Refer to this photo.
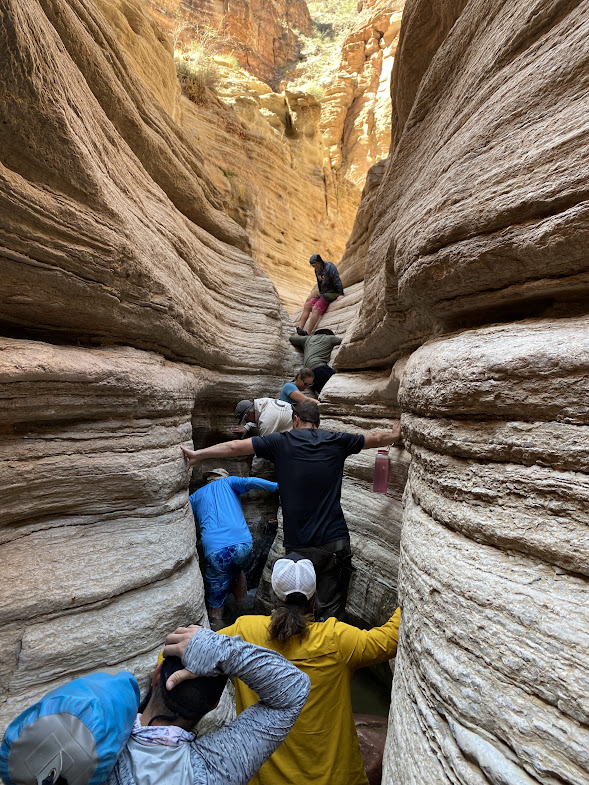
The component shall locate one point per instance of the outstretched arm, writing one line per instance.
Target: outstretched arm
(231, 449)
(297, 396)
(369, 647)
(383, 438)
(232, 755)
(298, 340)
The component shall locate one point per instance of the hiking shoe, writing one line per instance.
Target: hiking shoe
(301, 332)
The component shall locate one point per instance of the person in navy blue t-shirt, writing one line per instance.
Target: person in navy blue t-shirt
(226, 539)
(309, 465)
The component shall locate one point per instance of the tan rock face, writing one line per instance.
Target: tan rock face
(107, 229)
(475, 210)
(112, 233)
(492, 666)
(95, 516)
(476, 220)
(356, 111)
(266, 154)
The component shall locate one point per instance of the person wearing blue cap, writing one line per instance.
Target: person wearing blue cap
(330, 289)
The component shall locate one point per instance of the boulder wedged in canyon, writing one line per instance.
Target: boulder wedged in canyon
(492, 664)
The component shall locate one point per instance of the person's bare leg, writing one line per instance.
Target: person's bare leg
(305, 315)
(239, 588)
(313, 319)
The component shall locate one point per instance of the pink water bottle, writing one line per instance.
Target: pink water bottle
(382, 467)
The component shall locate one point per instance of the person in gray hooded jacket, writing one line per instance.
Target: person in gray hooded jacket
(162, 748)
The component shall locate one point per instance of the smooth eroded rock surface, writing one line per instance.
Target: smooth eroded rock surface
(97, 536)
(482, 210)
(492, 667)
(112, 233)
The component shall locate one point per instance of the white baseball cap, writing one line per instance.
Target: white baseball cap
(291, 576)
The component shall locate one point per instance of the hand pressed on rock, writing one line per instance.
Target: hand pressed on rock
(190, 457)
(396, 431)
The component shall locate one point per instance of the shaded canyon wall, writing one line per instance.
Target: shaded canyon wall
(466, 271)
(116, 332)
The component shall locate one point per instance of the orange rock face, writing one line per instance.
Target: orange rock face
(356, 111)
(261, 34)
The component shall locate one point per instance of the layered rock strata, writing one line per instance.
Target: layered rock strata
(492, 666)
(467, 242)
(266, 156)
(97, 537)
(118, 330)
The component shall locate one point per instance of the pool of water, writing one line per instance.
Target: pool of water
(370, 695)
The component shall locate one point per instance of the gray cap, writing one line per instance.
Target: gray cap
(215, 474)
(242, 409)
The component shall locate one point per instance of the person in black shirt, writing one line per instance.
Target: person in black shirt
(330, 290)
(309, 466)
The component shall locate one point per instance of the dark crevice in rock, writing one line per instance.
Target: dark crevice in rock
(516, 311)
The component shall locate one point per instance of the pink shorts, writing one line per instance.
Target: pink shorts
(320, 303)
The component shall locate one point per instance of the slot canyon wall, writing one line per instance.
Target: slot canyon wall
(467, 275)
(289, 169)
(116, 332)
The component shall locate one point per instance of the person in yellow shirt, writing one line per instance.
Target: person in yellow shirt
(322, 747)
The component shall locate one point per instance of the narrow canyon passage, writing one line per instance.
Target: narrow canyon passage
(152, 252)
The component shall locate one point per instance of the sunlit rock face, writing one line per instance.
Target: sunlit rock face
(356, 110)
(266, 156)
(262, 35)
(118, 329)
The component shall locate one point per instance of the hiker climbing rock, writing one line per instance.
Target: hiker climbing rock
(226, 539)
(317, 350)
(330, 289)
(329, 653)
(292, 392)
(309, 466)
(268, 415)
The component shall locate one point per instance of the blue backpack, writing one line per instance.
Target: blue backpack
(75, 732)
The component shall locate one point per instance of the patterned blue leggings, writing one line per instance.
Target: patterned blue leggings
(221, 567)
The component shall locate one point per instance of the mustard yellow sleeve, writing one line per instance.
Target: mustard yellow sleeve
(368, 647)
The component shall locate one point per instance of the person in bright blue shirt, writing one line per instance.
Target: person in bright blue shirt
(292, 392)
(226, 539)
